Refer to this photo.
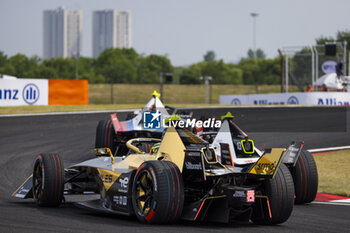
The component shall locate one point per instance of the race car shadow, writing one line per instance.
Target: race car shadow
(69, 215)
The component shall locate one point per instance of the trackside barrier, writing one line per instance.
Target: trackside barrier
(68, 92)
(312, 98)
(18, 92)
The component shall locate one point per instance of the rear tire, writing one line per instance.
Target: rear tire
(158, 193)
(105, 135)
(280, 191)
(305, 178)
(48, 180)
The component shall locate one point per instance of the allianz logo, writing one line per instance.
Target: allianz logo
(8, 94)
(332, 101)
(30, 94)
(266, 102)
(291, 100)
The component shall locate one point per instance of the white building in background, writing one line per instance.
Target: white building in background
(111, 29)
(62, 32)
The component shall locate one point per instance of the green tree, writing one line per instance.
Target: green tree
(8, 69)
(251, 53)
(110, 56)
(270, 70)
(3, 59)
(260, 54)
(191, 74)
(122, 71)
(251, 71)
(220, 72)
(151, 66)
(344, 36)
(22, 64)
(94, 78)
(63, 67)
(209, 56)
(43, 72)
(117, 65)
(323, 40)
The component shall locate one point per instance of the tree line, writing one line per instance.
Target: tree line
(121, 65)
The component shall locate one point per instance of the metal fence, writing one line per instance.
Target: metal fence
(303, 64)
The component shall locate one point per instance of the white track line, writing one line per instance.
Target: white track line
(66, 113)
(331, 203)
(341, 201)
(185, 108)
(329, 149)
(259, 106)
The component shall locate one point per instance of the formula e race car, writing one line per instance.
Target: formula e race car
(234, 148)
(180, 177)
(114, 133)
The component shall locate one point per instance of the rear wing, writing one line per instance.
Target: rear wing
(272, 158)
(293, 152)
(268, 163)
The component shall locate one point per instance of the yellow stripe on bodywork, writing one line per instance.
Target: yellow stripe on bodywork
(108, 177)
(15, 192)
(268, 163)
(172, 148)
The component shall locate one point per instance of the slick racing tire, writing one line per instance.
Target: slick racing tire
(305, 178)
(280, 193)
(48, 180)
(158, 192)
(105, 135)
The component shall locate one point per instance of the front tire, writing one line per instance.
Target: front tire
(305, 178)
(158, 193)
(105, 135)
(280, 193)
(48, 180)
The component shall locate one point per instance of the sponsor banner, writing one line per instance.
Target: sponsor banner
(310, 98)
(68, 92)
(14, 92)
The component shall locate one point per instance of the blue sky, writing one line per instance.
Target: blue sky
(185, 29)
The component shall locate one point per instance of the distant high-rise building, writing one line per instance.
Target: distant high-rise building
(111, 29)
(62, 31)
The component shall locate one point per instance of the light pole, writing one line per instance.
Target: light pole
(207, 80)
(168, 78)
(77, 65)
(254, 15)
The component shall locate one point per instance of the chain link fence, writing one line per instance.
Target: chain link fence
(303, 65)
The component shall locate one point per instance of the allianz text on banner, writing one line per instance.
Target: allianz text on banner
(16, 92)
(313, 98)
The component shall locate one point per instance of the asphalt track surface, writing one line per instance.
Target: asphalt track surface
(72, 136)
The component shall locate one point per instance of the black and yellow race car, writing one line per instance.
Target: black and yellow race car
(114, 134)
(228, 141)
(164, 180)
